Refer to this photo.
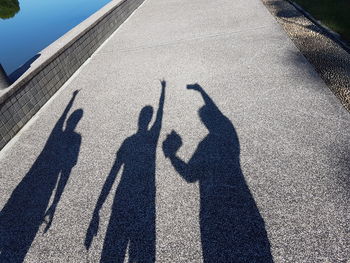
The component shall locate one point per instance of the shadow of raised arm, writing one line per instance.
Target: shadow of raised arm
(157, 125)
(60, 122)
(208, 101)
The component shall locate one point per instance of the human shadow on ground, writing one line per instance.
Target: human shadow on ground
(132, 221)
(27, 207)
(232, 229)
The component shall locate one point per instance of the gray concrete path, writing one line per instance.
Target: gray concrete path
(262, 173)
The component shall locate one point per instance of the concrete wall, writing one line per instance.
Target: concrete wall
(4, 82)
(20, 101)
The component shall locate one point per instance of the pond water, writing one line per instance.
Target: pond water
(28, 26)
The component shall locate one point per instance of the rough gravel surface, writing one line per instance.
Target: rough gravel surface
(250, 166)
(330, 60)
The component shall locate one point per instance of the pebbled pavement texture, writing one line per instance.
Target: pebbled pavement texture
(330, 60)
(250, 165)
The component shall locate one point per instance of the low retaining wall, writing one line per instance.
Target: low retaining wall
(56, 64)
(4, 82)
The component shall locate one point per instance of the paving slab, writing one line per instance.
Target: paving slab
(262, 174)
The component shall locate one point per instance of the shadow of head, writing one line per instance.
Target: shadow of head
(210, 118)
(73, 120)
(145, 118)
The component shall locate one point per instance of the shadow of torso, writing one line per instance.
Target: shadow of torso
(132, 221)
(232, 229)
(24, 212)
(137, 184)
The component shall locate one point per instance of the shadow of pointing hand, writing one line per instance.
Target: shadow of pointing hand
(75, 93)
(171, 144)
(92, 230)
(163, 83)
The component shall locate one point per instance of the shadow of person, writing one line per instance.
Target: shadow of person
(232, 229)
(132, 221)
(27, 207)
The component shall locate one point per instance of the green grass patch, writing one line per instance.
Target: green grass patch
(335, 14)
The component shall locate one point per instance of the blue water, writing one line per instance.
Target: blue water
(37, 25)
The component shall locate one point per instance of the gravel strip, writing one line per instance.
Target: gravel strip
(330, 60)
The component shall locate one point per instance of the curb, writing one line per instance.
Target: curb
(330, 33)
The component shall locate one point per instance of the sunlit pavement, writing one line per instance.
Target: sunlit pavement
(259, 174)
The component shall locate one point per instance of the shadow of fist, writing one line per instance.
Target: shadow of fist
(171, 144)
